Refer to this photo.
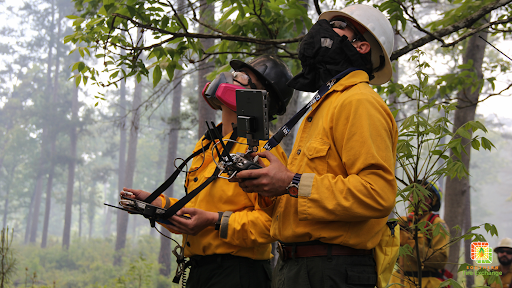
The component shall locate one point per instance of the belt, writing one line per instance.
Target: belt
(424, 274)
(316, 248)
(200, 260)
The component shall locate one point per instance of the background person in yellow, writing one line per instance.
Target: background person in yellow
(228, 234)
(433, 249)
(504, 253)
(339, 186)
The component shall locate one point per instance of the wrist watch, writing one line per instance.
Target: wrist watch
(217, 224)
(293, 187)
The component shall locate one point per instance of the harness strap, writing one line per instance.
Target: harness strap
(174, 175)
(183, 201)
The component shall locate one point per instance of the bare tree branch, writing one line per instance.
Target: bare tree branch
(476, 30)
(207, 36)
(467, 22)
(317, 7)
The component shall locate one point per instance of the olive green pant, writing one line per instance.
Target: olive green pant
(228, 271)
(325, 272)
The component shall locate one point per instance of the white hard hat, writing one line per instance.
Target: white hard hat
(377, 30)
(504, 243)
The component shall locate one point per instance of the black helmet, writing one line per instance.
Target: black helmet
(273, 74)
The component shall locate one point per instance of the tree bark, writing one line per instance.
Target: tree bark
(470, 280)
(459, 190)
(44, 143)
(122, 145)
(80, 213)
(66, 236)
(122, 216)
(53, 143)
(48, 202)
(205, 112)
(164, 257)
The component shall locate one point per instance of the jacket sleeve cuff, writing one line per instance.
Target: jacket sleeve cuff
(306, 184)
(224, 225)
(166, 202)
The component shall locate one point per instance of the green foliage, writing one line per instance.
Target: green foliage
(7, 258)
(423, 151)
(108, 26)
(88, 263)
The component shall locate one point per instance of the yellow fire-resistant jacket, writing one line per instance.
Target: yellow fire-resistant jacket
(345, 150)
(433, 253)
(506, 279)
(247, 232)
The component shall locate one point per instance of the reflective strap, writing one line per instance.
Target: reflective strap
(224, 223)
(167, 202)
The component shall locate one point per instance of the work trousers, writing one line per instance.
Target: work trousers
(228, 271)
(356, 271)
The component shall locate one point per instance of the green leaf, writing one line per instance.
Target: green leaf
(486, 144)
(464, 266)
(114, 75)
(157, 75)
(102, 11)
(463, 131)
(77, 80)
(475, 144)
(81, 66)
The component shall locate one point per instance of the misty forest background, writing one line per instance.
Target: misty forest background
(66, 150)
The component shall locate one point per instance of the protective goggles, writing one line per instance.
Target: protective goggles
(222, 90)
(503, 250)
(342, 23)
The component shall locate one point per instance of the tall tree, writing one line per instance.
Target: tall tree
(53, 133)
(458, 190)
(66, 236)
(164, 257)
(47, 136)
(204, 111)
(122, 216)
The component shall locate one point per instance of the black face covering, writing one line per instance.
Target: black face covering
(324, 54)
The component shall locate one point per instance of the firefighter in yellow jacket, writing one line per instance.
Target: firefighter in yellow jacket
(433, 250)
(227, 236)
(504, 253)
(335, 194)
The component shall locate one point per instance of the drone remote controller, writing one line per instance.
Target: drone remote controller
(240, 162)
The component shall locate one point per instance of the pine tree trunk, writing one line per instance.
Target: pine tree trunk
(48, 201)
(164, 257)
(66, 236)
(53, 143)
(122, 216)
(205, 112)
(470, 280)
(459, 190)
(122, 145)
(80, 213)
(44, 143)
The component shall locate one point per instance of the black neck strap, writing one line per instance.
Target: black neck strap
(285, 130)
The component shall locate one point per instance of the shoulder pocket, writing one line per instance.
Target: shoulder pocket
(317, 148)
